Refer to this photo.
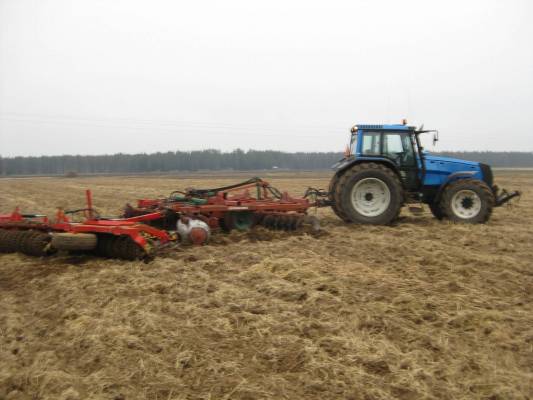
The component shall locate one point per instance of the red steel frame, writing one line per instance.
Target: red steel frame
(216, 208)
(132, 227)
(220, 204)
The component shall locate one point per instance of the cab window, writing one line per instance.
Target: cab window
(399, 148)
(372, 143)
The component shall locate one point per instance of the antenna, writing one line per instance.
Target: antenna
(408, 103)
(388, 108)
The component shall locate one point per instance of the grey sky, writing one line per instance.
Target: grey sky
(93, 77)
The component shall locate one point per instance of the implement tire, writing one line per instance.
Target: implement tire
(369, 193)
(467, 201)
(240, 220)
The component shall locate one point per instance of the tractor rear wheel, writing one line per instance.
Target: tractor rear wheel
(369, 193)
(334, 206)
(467, 201)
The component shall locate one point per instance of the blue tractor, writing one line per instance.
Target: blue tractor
(385, 167)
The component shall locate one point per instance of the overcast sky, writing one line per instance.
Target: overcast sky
(94, 77)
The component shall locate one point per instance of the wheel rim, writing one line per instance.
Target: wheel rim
(466, 204)
(243, 221)
(371, 197)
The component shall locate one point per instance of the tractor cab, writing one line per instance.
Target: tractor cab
(395, 145)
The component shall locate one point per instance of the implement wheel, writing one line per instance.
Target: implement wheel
(369, 193)
(240, 220)
(467, 201)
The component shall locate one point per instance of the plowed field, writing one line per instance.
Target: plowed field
(420, 310)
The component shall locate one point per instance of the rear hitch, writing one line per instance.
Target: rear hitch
(319, 197)
(504, 196)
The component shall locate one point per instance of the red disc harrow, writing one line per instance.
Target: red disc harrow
(142, 230)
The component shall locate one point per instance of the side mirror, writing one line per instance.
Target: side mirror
(435, 138)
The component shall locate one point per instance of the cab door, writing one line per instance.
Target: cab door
(399, 148)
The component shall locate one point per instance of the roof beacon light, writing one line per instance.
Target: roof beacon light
(404, 121)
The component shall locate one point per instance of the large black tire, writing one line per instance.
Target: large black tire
(334, 206)
(436, 210)
(380, 175)
(467, 201)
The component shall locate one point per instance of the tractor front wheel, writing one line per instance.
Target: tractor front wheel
(369, 193)
(467, 201)
(436, 211)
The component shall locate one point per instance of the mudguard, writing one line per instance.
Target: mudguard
(346, 163)
(452, 178)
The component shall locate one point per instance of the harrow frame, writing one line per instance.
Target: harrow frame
(152, 224)
(214, 206)
(143, 235)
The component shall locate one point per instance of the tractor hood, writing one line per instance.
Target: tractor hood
(457, 161)
(439, 168)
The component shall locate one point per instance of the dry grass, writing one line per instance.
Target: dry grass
(422, 310)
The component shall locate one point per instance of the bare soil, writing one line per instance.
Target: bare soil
(420, 310)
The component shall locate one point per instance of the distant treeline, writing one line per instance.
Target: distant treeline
(212, 160)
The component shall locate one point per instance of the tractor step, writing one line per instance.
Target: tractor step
(416, 209)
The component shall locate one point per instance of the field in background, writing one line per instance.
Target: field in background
(423, 309)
